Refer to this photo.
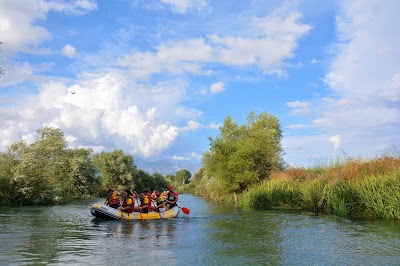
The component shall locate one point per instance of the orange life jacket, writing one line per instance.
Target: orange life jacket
(113, 199)
(131, 206)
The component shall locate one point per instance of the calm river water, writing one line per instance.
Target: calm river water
(213, 234)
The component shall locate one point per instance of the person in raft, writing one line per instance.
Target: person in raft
(172, 198)
(113, 198)
(159, 201)
(145, 201)
(129, 202)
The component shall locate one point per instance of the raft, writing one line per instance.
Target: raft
(100, 210)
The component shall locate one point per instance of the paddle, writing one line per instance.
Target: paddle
(158, 210)
(185, 210)
(140, 211)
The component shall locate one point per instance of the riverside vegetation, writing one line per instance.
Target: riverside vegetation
(48, 172)
(243, 165)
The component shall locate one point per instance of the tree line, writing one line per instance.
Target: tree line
(48, 172)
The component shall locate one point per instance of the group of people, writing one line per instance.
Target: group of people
(147, 201)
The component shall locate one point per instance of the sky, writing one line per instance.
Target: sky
(156, 78)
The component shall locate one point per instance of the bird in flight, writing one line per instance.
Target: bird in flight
(73, 92)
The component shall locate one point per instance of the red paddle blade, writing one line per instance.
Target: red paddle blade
(185, 210)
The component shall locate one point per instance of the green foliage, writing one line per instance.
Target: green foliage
(342, 199)
(182, 177)
(243, 156)
(271, 195)
(116, 169)
(160, 183)
(45, 171)
(380, 196)
(373, 196)
(48, 172)
(313, 194)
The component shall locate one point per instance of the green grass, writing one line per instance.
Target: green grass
(355, 188)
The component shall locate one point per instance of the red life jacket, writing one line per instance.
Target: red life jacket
(113, 199)
(172, 196)
(131, 207)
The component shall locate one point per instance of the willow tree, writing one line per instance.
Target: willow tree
(46, 171)
(244, 155)
(116, 168)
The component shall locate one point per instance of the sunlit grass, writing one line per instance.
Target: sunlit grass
(352, 188)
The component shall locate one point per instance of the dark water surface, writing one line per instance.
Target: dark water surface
(213, 234)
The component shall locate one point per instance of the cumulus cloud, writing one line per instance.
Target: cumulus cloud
(336, 141)
(97, 115)
(194, 125)
(217, 87)
(18, 21)
(277, 39)
(364, 77)
(69, 50)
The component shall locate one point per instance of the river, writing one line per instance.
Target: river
(213, 234)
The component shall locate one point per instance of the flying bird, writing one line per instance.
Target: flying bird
(73, 92)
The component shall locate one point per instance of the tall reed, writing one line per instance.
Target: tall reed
(355, 188)
(380, 195)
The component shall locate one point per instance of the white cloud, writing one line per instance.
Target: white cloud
(364, 77)
(179, 158)
(98, 115)
(336, 141)
(183, 6)
(192, 125)
(196, 155)
(276, 39)
(217, 87)
(18, 21)
(69, 50)
(79, 7)
(297, 104)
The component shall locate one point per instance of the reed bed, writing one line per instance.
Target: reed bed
(355, 188)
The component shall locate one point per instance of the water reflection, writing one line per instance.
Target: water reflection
(213, 234)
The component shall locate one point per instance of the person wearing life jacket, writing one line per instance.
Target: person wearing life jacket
(171, 199)
(129, 202)
(159, 201)
(154, 194)
(113, 198)
(145, 202)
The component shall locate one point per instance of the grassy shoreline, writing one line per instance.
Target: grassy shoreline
(356, 188)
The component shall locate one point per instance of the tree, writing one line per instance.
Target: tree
(243, 156)
(160, 183)
(116, 168)
(182, 177)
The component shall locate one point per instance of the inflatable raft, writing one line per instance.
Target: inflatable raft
(103, 211)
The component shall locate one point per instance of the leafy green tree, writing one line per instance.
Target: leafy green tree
(81, 174)
(244, 155)
(116, 168)
(182, 177)
(143, 180)
(160, 183)
(35, 177)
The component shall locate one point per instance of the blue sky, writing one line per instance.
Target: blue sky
(155, 78)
